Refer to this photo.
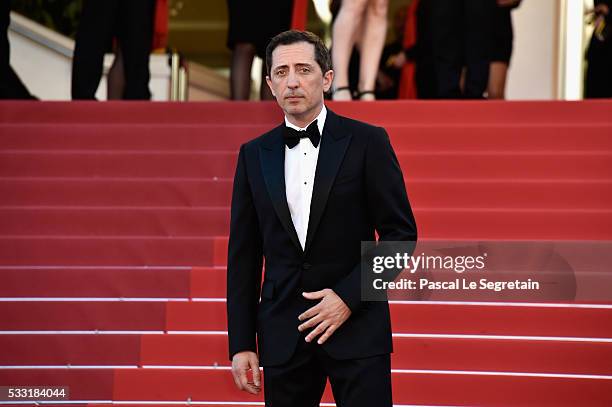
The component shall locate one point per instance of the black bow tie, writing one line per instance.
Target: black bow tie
(292, 137)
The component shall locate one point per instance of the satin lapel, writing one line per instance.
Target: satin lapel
(334, 143)
(272, 158)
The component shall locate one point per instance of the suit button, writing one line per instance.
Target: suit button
(306, 266)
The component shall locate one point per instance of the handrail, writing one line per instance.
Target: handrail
(64, 46)
(41, 35)
(178, 78)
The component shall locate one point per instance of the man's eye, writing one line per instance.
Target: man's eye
(305, 70)
(280, 73)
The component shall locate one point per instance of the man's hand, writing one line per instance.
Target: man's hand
(327, 316)
(397, 61)
(242, 362)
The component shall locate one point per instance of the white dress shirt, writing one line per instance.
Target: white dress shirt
(300, 167)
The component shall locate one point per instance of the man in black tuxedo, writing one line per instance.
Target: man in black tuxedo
(306, 194)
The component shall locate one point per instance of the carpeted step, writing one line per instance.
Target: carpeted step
(135, 221)
(414, 388)
(135, 112)
(408, 388)
(387, 112)
(198, 222)
(209, 283)
(416, 353)
(484, 389)
(157, 192)
(445, 165)
(425, 353)
(223, 137)
(83, 316)
(108, 251)
(112, 282)
(433, 193)
(502, 355)
(514, 224)
(412, 318)
(104, 282)
(83, 384)
(436, 318)
(203, 250)
(109, 207)
(73, 349)
(197, 247)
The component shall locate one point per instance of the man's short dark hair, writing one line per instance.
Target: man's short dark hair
(322, 55)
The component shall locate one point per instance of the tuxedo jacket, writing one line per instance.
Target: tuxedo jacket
(358, 190)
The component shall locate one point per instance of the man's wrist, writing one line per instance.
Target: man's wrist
(350, 301)
(233, 355)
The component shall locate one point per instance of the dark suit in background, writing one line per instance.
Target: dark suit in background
(502, 34)
(454, 34)
(598, 79)
(358, 189)
(131, 22)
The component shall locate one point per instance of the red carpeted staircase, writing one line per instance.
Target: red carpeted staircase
(113, 240)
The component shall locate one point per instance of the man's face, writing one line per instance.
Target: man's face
(296, 80)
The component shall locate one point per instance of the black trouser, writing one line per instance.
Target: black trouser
(11, 86)
(598, 79)
(131, 22)
(301, 381)
(456, 34)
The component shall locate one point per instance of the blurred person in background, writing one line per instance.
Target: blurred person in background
(501, 50)
(363, 21)
(395, 76)
(424, 75)
(115, 86)
(453, 35)
(353, 67)
(598, 81)
(252, 24)
(11, 86)
(396, 73)
(131, 22)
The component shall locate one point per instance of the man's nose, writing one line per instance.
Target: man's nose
(292, 80)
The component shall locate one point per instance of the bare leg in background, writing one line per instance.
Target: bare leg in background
(344, 33)
(373, 41)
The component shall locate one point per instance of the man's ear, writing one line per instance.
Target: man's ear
(269, 82)
(328, 79)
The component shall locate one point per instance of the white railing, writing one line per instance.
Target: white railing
(43, 60)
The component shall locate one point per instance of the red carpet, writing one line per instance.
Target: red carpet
(114, 218)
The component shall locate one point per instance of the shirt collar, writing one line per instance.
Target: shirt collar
(320, 123)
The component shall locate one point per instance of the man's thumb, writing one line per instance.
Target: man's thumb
(256, 373)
